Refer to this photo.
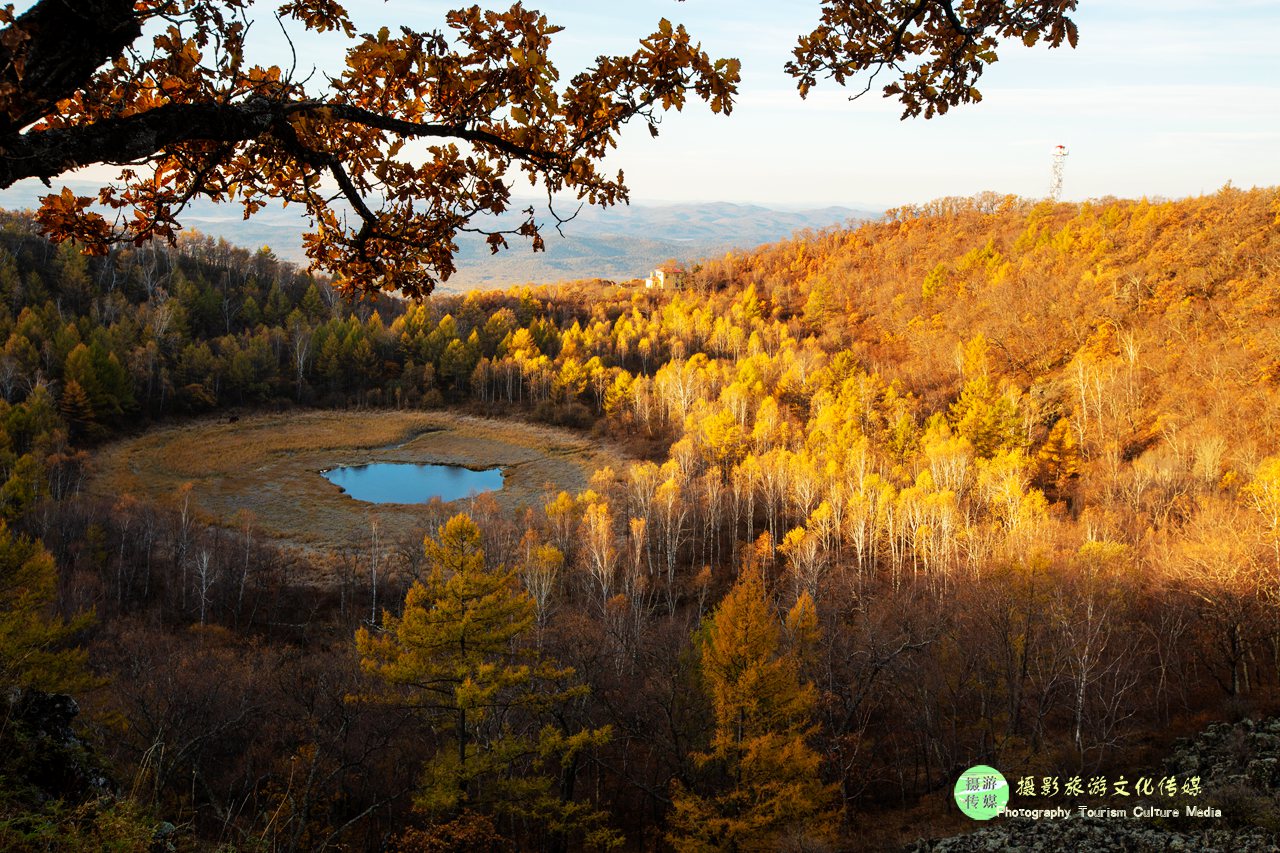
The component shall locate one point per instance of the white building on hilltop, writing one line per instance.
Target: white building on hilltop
(666, 277)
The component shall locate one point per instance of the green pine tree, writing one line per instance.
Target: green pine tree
(987, 418)
(456, 652)
(36, 647)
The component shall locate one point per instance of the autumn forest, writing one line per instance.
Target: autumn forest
(988, 481)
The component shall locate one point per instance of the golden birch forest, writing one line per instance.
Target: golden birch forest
(990, 480)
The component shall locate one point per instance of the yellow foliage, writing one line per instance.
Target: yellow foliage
(771, 785)
(36, 648)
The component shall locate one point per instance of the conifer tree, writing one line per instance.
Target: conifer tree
(77, 408)
(987, 418)
(35, 647)
(764, 789)
(454, 647)
(803, 631)
(313, 305)
(1060, 455)
(456, 650)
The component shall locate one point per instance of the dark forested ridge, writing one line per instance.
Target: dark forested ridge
(991, 481)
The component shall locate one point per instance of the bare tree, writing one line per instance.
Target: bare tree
(207, 576)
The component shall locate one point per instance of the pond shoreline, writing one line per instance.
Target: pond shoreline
(412, 483)
(268, 464)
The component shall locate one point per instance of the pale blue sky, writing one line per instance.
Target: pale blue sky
(1162, 98)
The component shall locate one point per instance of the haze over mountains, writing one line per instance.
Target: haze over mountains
(618, 243)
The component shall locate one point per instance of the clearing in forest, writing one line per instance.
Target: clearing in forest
(269, 465)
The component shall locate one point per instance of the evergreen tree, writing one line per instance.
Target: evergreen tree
(987, 418)
(1060, 455)
(277, 306)
(457, 362)
(77, 408)
(455, 649)
(35, 647)
(766, 788)
(313, 305)
(27, 483)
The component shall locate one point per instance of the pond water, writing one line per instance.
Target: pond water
(409, 483)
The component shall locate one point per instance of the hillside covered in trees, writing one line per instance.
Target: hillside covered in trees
(992, 481)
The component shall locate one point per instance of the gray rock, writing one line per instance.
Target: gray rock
(1239, 770)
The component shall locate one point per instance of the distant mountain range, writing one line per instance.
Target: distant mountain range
(617, 243)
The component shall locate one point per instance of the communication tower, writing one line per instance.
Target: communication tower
(1059, 163)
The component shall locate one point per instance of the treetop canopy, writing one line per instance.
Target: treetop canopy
(422, 135)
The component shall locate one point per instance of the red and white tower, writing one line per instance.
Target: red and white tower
(1059, 163)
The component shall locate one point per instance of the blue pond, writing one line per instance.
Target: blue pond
(408, 483)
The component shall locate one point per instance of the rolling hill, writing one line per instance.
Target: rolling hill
(617, 243)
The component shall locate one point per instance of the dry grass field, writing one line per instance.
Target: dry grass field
(270, 466)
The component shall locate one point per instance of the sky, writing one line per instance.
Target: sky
(1162, 98)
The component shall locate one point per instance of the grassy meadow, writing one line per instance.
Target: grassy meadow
(269, 467)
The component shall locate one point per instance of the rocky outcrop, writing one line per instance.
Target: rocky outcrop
(1232, 756)
(42, 753)
(1121, 835)
(1239, 769)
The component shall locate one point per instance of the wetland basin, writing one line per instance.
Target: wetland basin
(265, 468)
(412, 482)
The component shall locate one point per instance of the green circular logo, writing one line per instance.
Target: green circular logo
(981, 792)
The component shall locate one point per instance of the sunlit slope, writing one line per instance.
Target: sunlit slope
(1149, 319)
